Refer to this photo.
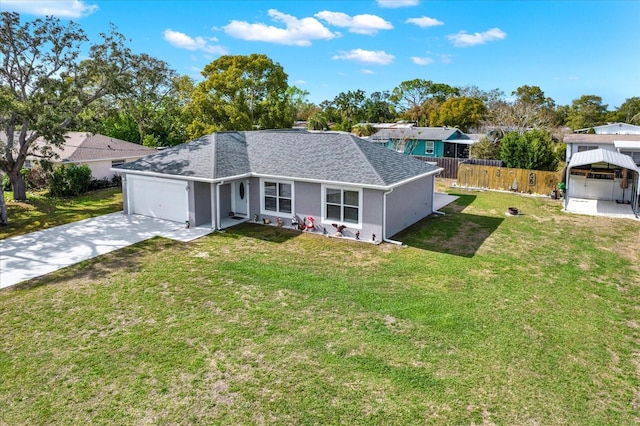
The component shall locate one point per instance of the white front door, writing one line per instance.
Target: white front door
(240, 198)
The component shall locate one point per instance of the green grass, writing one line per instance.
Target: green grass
(482, 319)
(41, 211)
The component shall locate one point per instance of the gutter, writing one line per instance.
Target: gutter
(384, 220)
(566, 185)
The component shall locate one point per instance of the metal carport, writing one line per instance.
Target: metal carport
(602, 162)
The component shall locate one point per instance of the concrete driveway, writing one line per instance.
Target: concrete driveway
(32, 255)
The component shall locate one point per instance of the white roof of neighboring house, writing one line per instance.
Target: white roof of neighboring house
(594, 156)
(613, 129)
(627, 144)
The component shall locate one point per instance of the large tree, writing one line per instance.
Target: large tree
(350, 105)
(586, 111)
(241, 93)
(43, 86)
(629, 111)
(378, 108)
(416, 98)
(462, 112)
(148, 89)
(531, 109)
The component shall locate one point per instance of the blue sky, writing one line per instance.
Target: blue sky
(567, 48)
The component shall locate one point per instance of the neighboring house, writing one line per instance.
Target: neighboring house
(99, 152)
(429, 142)
(613, 129)
(603, 167)
(624, 144)
(335, 178)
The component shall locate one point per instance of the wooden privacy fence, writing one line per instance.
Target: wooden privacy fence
(450, 165)
(503, 178)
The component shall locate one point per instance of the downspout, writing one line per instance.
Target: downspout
(566, 186)
(384, 220)
(218, 224)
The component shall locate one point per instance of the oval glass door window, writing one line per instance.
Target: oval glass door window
(241, 190)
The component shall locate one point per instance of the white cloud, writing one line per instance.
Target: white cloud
(72, 9)
(378, 57)
(359, 24)
(446, 59)
(422, 60)
(297, 32)
(183, 41)
(462, 39)
(424, 22)
(366, 71)
(392, 4)
(300, 82)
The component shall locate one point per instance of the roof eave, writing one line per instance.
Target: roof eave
(277, 177)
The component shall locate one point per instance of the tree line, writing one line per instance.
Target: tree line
(48, 88)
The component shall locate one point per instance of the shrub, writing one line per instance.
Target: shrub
(70, 180)
(116, 181)
(533, 150)
(96, 184)
(37, 178)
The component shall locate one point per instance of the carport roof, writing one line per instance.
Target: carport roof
(602, 156)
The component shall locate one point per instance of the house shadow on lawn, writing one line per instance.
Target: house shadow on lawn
(456, 233)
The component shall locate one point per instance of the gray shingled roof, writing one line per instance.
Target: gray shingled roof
(83, 146)
(331, 157)
(418, 133)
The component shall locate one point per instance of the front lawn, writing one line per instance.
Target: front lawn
(41, 211)
(483, 318)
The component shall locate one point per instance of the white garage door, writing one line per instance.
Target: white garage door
(157, 197)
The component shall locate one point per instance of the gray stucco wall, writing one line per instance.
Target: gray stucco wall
(408, 204)
(225, 199)
(405, 206)
(372, 214)
(202, 199)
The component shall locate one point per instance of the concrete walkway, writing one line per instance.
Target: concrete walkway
(600, 208)
(441, 199)
(32, 255)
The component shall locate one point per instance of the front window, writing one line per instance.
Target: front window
(582, 148)
(633, 154)
(277, 197)
(428, 147)
(342, 205)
